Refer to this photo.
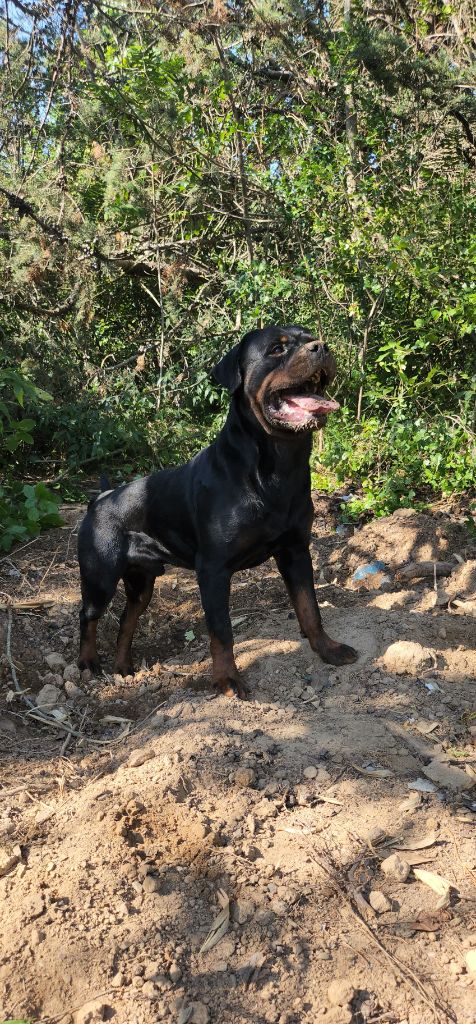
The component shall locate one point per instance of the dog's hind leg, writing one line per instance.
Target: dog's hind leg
(96, 598)
(139, 586)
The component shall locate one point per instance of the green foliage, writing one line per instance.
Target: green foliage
(25, 509)
(402, 465)
(168, 186)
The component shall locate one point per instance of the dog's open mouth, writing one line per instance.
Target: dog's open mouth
(301, 406)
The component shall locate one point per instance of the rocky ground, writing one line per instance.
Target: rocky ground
(308, 856)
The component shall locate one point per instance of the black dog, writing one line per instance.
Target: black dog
(243, 499)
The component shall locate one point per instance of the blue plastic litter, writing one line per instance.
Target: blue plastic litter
(370, 569)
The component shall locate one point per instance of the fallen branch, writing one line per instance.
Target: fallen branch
(419, 570)
(433, 1000)
(20, 606)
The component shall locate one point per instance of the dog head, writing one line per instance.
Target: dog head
(283, 373)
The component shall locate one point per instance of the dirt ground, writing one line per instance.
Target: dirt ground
(153, 812)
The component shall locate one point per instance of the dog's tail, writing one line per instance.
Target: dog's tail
(104, 484)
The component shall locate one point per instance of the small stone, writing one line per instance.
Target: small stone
(406, 656)
(139, 757)
(72, 691)
(71, 673)
(55, 661)
(278, 907)
(470, 960)
(175, 973)
(149, 990)
(49, 697)
(245, 777)
(310, 772)
(53, 678)
(86, 675)
(340, 992)
(118, 980)
(339, 1015)
(150, 884)
(199, 1014)
(92, 1013)
(36, 937)
(379, 902)
(442, 633)
(447, 776)
(7, 861)
(395, 867)
(151, 970)
(242, 910)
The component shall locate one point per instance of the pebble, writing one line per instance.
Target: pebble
(175, 973)
(406, 656)
(150, 884)
(36, 937)
(139, 756)
(55, 661)
(442, 633)
(92, 1012)
(149, 990)
(49, 697)
(245, 777)
(310, 772)
(339, 1015)
(340, 992)
(470, 960)
(118, 980)
(72, 673)
(242, 910)
(395, 867)
(447, 776)
(73, 691)
(379, 902)
(7, 861)
(199, 1014)
(53, 678)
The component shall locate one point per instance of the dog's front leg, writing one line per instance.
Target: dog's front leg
(295, 566)
(215, 594)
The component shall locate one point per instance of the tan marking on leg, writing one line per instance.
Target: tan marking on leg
(225, 675)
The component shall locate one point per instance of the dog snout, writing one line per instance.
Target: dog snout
(319, 347)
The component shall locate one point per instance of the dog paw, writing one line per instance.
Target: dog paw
(93, 664)
(124, 668)
(339, 654)
(229, 687)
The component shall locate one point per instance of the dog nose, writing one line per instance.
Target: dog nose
(317, 346)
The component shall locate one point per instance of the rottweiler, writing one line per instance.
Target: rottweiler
(243, 499)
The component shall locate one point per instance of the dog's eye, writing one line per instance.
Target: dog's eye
(277, 350)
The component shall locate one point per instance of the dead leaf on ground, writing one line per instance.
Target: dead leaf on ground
(220, 924)
(375, 773)
(436, 882)
(419, 844)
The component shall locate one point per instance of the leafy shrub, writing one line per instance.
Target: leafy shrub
(25, 509)
(398, 463)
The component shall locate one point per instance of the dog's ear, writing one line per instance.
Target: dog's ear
(228, 371)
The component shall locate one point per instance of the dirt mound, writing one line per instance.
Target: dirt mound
(173, 813)
(406, 536)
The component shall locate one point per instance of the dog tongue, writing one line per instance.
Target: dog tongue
(312, 403)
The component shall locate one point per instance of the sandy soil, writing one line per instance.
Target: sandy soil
(120, 846)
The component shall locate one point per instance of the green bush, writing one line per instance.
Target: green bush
(400, 462)
(25, 509)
